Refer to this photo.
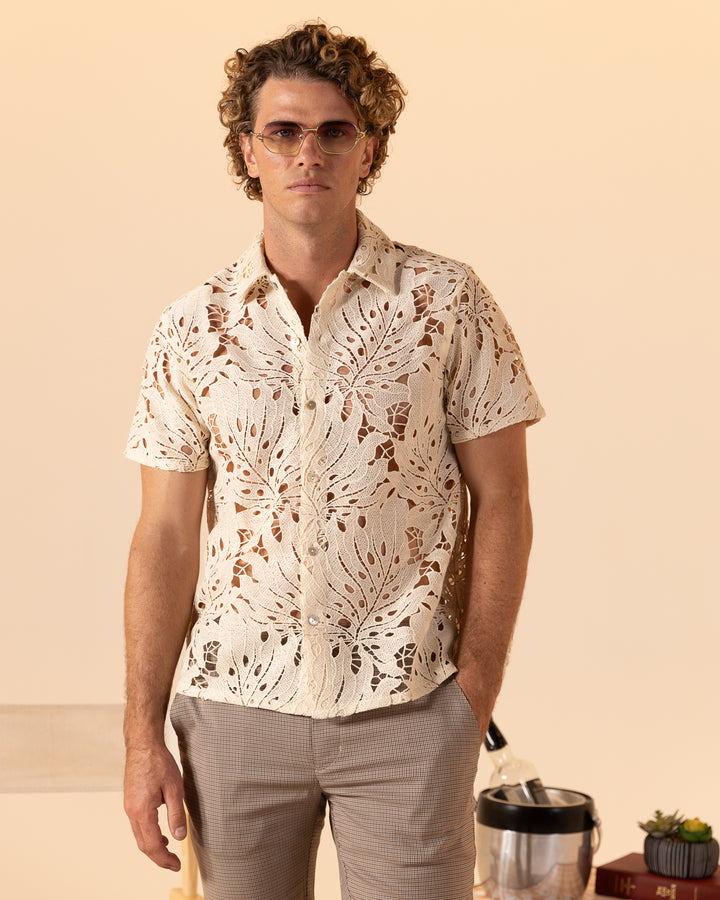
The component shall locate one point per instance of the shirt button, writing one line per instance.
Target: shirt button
(313, 620)
(313, 476)
(313, 550)
(295, 341)
(310, 404)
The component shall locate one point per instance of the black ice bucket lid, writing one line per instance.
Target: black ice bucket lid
(569, 811)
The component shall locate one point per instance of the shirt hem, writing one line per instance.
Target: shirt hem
(302, 708)
(168, 465)
(460, 437)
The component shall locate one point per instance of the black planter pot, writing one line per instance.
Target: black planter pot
(675, 858)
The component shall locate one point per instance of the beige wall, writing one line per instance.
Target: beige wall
(568, 150)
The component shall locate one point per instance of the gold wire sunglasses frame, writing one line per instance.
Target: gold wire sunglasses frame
(290, 144)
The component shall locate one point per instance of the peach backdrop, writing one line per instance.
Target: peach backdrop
(568, 151)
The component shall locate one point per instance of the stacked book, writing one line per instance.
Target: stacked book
(630, 877)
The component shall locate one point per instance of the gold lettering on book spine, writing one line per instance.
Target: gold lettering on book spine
(624, 886)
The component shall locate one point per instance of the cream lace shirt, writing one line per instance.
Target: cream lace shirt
(336, 509)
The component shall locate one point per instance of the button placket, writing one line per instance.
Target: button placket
(316, 656)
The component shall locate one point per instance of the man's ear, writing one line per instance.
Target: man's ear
(368, 156)
(248, 155)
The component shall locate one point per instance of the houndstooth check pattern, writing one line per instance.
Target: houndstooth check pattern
(397, 780)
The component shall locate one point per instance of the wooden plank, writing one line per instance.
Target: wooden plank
(65, 748)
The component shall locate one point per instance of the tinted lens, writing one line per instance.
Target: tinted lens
(282, 138)
(337, 137)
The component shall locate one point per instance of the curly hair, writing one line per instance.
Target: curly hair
(313, 53)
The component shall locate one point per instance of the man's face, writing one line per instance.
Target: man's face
(313, 188)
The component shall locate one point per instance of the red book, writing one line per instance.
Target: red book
(630, 877)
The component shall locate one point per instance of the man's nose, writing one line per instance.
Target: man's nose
(310, 151)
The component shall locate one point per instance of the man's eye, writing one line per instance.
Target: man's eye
(282, 132)
(334, 132)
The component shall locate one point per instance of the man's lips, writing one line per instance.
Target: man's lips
(308, 186)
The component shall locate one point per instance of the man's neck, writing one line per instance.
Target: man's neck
(307, 260)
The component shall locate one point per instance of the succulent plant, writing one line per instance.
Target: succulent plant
(694, 831)
(662, 825)
(676, 847)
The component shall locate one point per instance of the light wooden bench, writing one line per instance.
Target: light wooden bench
(72, 749)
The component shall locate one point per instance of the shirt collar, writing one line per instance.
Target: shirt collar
(375, 257)
(251, 268)
(374, 260)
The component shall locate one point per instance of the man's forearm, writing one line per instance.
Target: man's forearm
(162, 573)
(158, 601)
(499, 543)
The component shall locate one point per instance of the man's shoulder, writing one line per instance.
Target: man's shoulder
(434, 273)
(408, 262)
(206, 301)
(421, 261)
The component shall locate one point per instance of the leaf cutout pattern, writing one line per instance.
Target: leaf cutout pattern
(334, 570)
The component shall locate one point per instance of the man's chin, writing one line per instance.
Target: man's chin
(313, 210)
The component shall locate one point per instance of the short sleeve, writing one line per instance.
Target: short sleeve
(167, 431)
(486, 384)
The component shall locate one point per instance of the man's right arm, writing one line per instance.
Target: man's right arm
(162, 575)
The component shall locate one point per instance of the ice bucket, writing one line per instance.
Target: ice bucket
(527, 851)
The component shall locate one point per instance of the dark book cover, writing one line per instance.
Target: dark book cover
(630, 877)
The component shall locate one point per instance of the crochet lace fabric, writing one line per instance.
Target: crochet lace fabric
(337, 512)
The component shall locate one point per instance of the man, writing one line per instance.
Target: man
(336, 396)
